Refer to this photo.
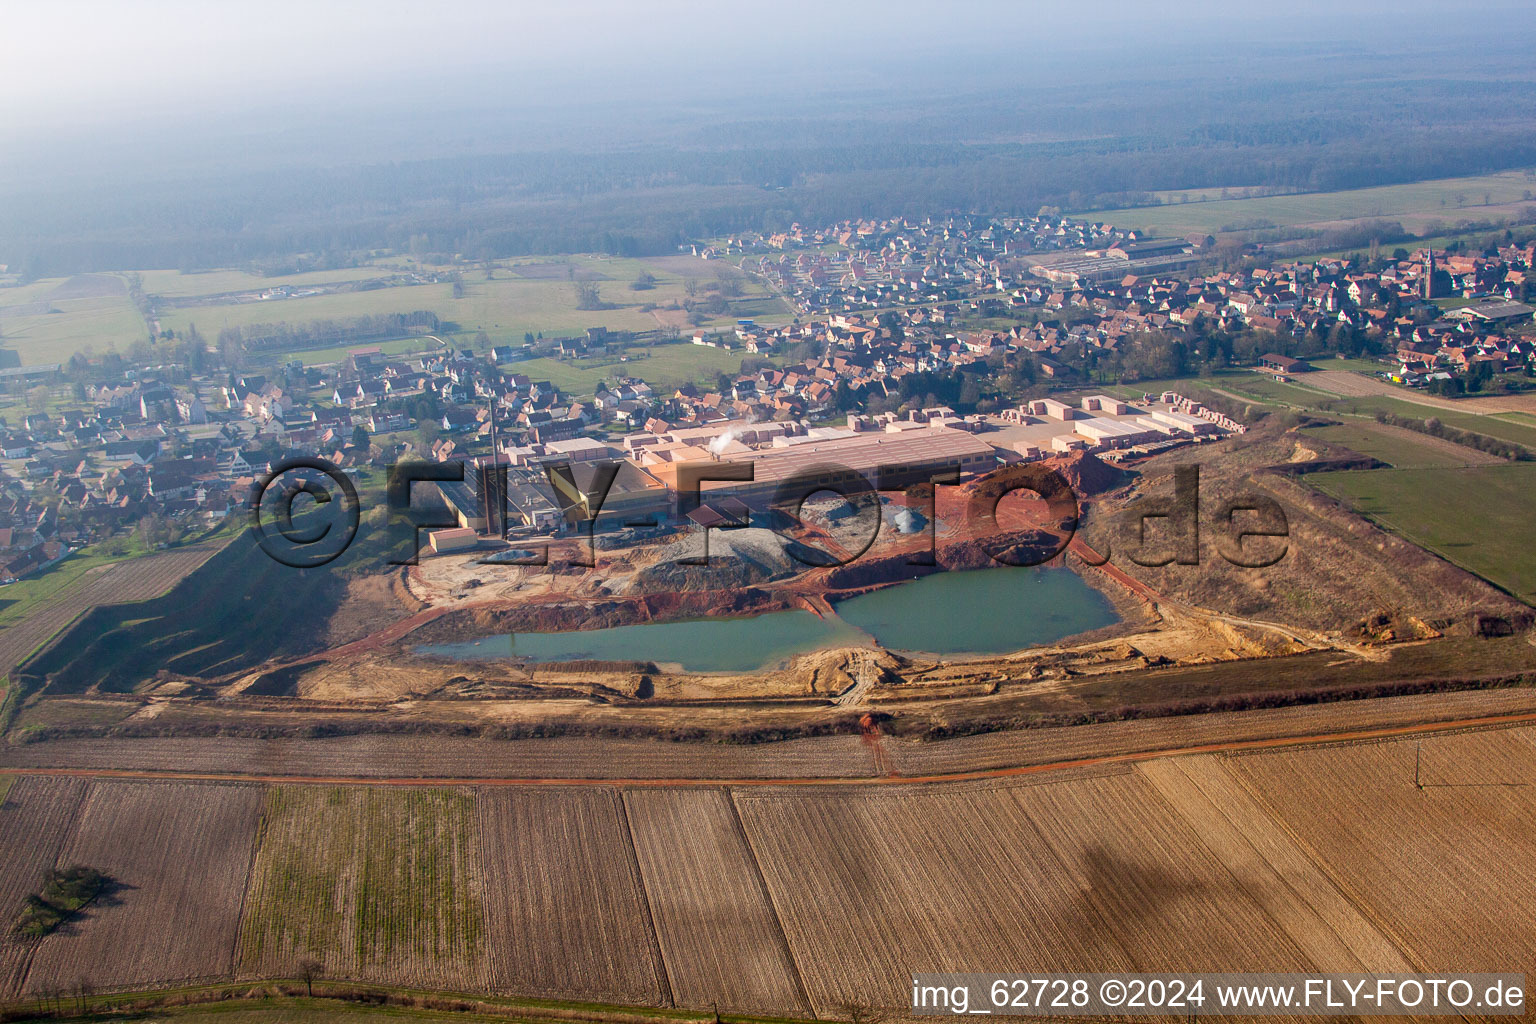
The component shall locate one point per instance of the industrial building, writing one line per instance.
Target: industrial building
(1157, 256)
(633, 496)
(893, 459)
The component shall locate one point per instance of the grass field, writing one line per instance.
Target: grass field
(375, 884)
(1390, 447)
(1207, 195)
(337, 353)
(1478, 423)
(1356, 365)
(540, 299)
(1265, 390)
(173, 284)
(1447, 198)
(1478, 518)
(47, 321)
(68, 326)
(1433, 241)
(664, 367)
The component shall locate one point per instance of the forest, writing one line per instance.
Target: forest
(1080, 144)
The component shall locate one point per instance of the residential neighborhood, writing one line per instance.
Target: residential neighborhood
(899, 325)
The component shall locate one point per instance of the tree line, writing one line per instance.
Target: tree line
(647, 200)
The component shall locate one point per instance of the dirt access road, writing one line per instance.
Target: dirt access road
(886, 774)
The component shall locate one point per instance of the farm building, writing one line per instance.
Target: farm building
(1276, 363)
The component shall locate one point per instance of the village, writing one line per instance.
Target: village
(898, 336)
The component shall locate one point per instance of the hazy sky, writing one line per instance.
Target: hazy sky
(67, 62)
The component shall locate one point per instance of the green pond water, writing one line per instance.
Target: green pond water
(985, 612)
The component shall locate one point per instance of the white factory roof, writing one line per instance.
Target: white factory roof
(1103, 426)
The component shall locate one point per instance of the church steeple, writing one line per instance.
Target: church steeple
(1429, 275)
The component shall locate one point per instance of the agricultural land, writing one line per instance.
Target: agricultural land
(1353, 856)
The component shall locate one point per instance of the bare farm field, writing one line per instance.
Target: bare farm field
(35, 818)
(1442, 863)
(794, 900)
(575, 758)
(1030, 747)
(381, 885)
(383, 755)
(1357, 385)
(1290, 887)
(566, 912)
(719, 931)
(870, 887)
(179, 855)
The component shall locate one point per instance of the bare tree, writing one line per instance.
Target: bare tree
(860, 1013)
(48, 998)
(83, 993)
(309, 970)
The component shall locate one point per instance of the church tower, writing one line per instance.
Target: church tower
(1429, 276)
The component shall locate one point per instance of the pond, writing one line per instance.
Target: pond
(694, 645)
(991, 611)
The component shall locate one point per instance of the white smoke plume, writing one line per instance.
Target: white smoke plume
(717, 446)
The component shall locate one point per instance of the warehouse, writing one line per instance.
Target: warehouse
(633, 495)
(1493, 311)
(894, 460)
